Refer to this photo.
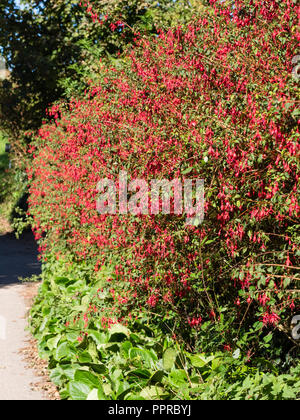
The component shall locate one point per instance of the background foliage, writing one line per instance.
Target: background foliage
(50, 47)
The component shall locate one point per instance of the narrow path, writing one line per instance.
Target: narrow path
(17, 259)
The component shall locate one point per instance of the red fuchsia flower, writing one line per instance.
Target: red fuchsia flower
(118, 24)
(263, 299)
(195, 322)
(86, 320)
(152, 301)
(249, 356)
(212, 315)
(227, 347)
(270, 319)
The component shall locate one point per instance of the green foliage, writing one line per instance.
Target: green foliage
(5, 177)
(38, 44)
(139, 361)
(3, 155)
(13, 198)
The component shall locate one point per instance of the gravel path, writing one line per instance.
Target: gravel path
(18, 258)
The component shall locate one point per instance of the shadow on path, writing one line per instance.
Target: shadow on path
(18, 258)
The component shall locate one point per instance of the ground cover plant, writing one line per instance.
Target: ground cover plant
(214, 100)
(139, 360)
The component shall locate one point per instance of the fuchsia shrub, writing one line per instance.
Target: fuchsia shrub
(215, 101)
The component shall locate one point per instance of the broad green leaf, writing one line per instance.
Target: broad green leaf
(62, 281)
(198, 361)
(52, 342)
(64, 351)
(93, 395)
(118, 333)
(86, 378)
(99, 338)
(85, 357)
(288, 393)
(157, 377)
(178, 378)
(169, 358)
(57, 376)
(134, 397)
(146, 356)
(152, 392)
(79, 391)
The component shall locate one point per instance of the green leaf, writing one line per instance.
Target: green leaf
(178, 378)
(134, 397)
(87, 378)
(57, 376)
(118, 333)
(85, 357)
(268, 338)
(98, 368)
(288, 393)
(144, 355)
(140, 373)
(52, 342)
(187, 171)
(157, 377)
(61, 281)
(93, 395)
(99, 338)
(79, 391)
(64, 351)
(198, 361)
(169, 358)
(152, 392)
(72, 336)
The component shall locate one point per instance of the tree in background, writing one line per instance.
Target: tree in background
(39, 45)
(50, 47)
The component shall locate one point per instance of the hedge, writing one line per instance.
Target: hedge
(215, 100)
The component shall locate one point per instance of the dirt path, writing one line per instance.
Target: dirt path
(17, 259)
